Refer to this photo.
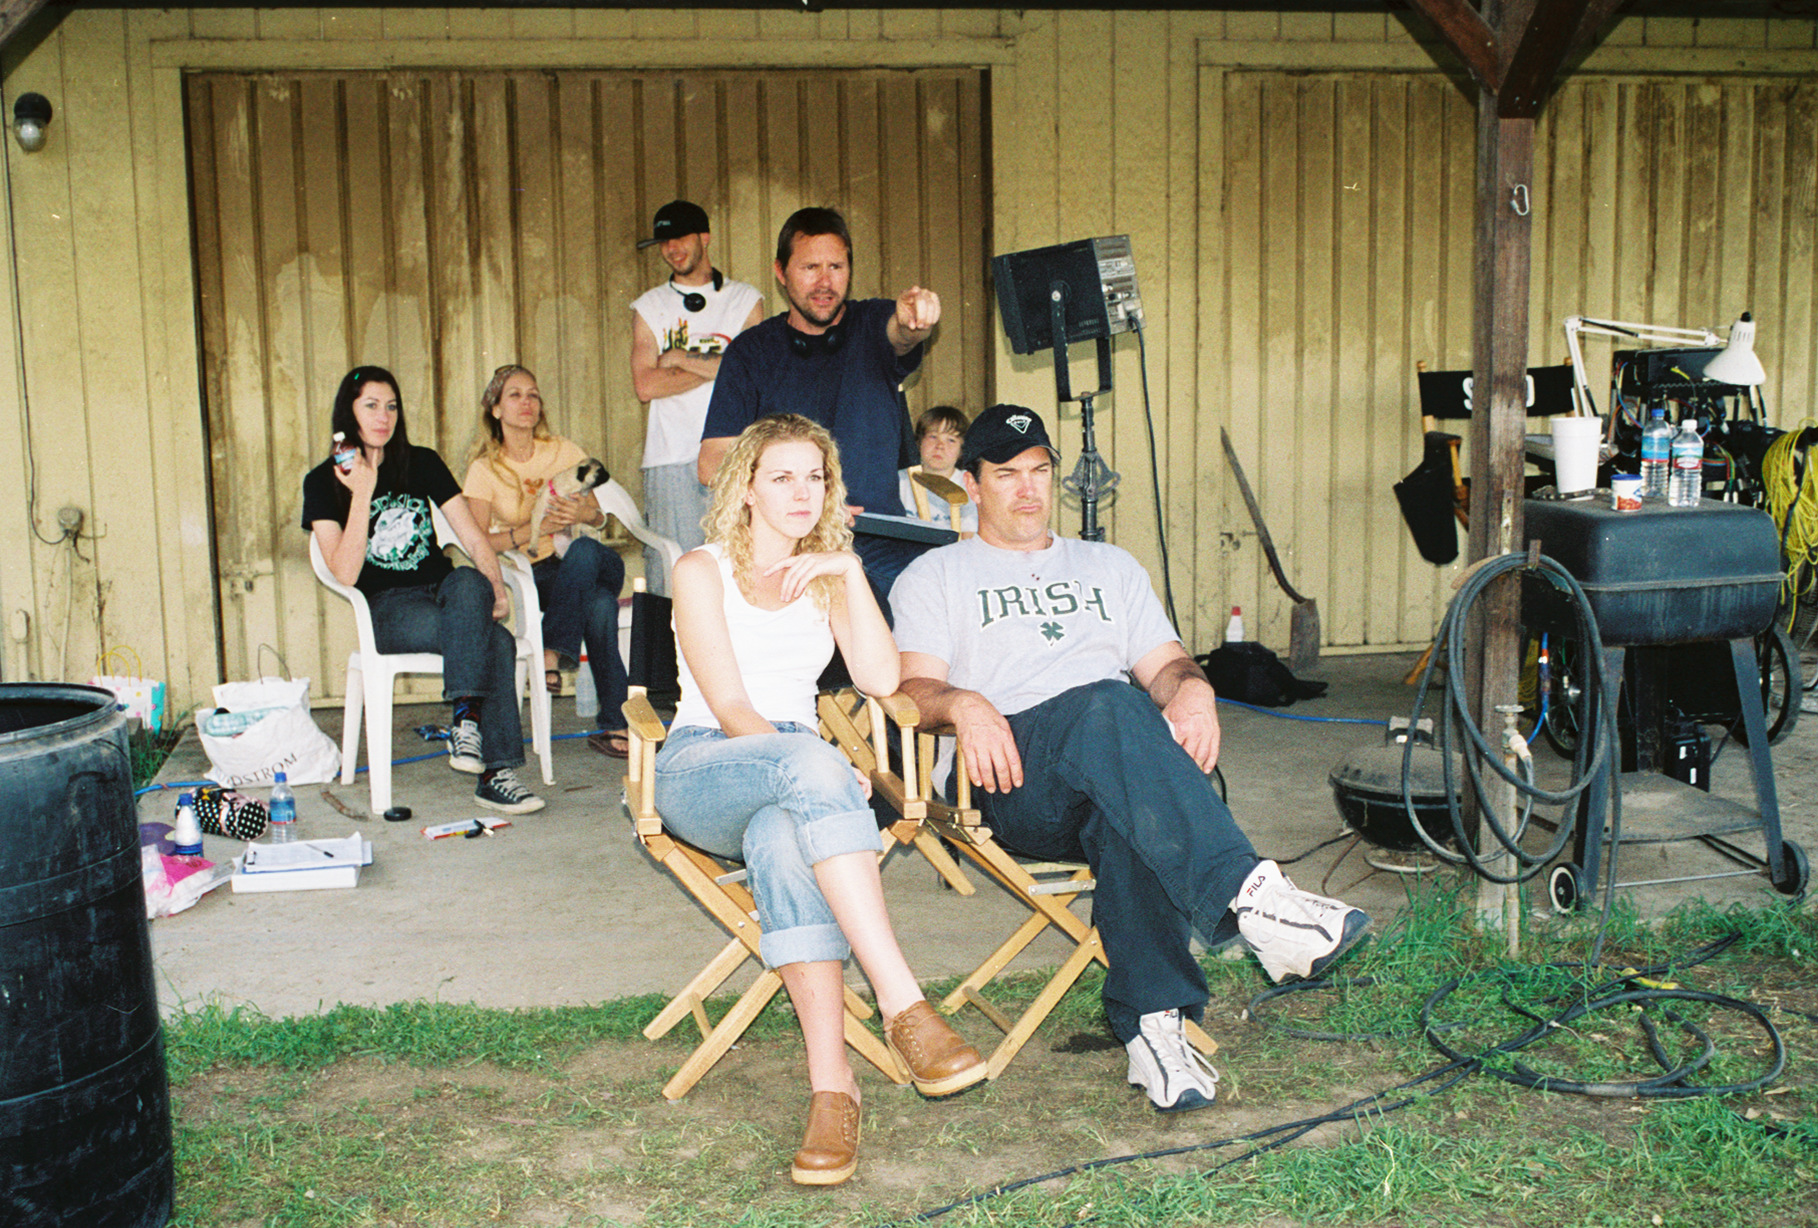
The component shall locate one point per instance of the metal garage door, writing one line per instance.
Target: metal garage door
(442, 223)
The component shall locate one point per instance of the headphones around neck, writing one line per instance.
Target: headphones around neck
(693, 300)
(828, 342)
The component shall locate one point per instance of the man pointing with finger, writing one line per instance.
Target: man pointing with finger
(836, 361)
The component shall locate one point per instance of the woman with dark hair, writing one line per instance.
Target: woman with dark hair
(369, 509)
(744, 774)
(514, 456)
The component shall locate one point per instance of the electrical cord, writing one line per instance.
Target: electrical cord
(1161, 531)
(1793, 503)
(1632, 987)
(1298, 716)
(1595, 722)
(367, 767)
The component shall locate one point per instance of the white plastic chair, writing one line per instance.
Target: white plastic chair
(615, 500)
(372, 675)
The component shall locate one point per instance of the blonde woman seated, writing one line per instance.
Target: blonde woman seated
(743, 773)
(578, 579)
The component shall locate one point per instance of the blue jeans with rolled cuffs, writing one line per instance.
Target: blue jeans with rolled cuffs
(479, 657)
(779, 802)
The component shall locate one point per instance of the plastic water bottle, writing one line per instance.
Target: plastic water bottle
(1234, 630)
(186, 840)
(1686, 486)
(1656, 456)
(283, 806)
(586, 695)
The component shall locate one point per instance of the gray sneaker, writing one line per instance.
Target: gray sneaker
(1172, 1071)
(1294, 933)
(464, 748)
(503, 791)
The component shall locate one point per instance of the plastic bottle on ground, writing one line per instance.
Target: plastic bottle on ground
(1656, 455)
(1234, 630)
(186, 840)
(283, 807)
(1686, 486)
(586, 695)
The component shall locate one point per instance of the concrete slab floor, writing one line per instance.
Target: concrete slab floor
(564, 908)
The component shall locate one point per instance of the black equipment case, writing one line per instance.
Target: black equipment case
(1660, 575)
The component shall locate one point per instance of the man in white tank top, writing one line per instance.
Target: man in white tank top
(679, 329)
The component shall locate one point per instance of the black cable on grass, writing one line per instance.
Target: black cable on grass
(1630, 987)
(1277, 1136)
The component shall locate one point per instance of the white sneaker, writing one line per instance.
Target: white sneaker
(1172, 1071)
(1293, 932)
(464, 748)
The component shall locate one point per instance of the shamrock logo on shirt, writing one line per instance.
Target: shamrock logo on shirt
(1053, 632)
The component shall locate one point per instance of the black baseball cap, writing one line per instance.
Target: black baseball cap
(1002, 433)
(675, 219)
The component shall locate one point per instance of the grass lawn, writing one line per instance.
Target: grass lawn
(431, 1114)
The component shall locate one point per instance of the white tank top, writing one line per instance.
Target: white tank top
(779, 654)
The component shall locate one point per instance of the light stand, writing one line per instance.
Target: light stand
(1079, 291)
(1091, 478)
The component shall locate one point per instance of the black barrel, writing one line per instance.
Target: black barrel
(84, 1104)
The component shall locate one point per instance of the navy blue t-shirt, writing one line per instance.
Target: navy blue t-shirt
(401, 545)
(852, 391)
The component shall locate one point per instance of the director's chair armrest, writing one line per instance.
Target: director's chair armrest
(646, 732)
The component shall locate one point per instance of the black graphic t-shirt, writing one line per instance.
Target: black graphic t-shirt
(401, 545)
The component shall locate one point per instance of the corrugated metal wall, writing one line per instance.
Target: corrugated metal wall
(443, 223)
(1340, 214)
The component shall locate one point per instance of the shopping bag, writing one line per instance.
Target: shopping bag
(136, 694)
(284, 738)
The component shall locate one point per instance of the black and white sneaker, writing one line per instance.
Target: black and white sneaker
(501, 790)
(464, 748)
(1295, 933)
(1172, 1071)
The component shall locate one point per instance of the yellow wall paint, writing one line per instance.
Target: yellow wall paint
(1101, 122)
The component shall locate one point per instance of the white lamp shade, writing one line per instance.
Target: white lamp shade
(1737, 363)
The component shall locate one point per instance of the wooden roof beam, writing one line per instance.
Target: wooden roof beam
(1540, 45)
(14, 14)
(1469, 36)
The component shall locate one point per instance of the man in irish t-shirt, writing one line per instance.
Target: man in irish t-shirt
(1027, 644)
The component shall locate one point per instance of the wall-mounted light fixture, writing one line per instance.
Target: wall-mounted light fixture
(31, 116)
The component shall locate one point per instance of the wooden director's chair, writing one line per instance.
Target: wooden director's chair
(720, 889)
(1047, 889)
(946, 489)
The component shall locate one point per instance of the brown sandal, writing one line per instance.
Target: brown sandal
(829, 1151)
(552, 682)
(613, 743)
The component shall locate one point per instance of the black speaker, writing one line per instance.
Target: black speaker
(828, 342)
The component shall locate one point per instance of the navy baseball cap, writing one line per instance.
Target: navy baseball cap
(1002, 433)
(675, 219)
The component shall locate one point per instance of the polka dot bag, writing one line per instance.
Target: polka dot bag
(223, 812)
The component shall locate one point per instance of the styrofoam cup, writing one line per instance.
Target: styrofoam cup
(1575, 441)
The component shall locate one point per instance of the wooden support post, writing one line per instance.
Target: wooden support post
(1505, 163)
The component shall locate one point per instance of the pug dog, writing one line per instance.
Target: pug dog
(568, 484)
